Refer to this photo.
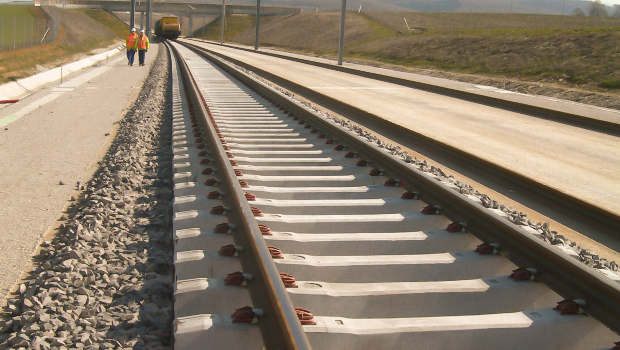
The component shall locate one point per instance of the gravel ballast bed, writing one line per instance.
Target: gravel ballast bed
(105, 280)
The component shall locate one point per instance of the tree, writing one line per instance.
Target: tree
(597, 9)
(579, 12)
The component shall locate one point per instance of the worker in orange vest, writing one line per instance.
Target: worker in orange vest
(131, 43)
(143, 46)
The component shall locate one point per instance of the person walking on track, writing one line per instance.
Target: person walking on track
(131, 43)
(143, 46)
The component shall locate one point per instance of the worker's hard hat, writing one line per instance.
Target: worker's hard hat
(133, 29)
(142, 31)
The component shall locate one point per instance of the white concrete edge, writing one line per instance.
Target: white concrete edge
(21, 87)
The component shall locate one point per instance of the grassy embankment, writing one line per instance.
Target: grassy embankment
(80, 32)
(19, 25)
(571, 51)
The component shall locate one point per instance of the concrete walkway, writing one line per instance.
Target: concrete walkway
(57, 134)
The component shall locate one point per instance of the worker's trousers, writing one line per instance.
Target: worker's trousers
(141, 56)
(130, 56)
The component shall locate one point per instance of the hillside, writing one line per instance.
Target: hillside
(80, 31)
(565, 50)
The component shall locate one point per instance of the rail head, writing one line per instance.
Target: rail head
(279, 323)
(565, 275)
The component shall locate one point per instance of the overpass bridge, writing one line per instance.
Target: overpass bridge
(181, 7)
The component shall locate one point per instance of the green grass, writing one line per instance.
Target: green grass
(87, 30)
(611, 84)
(20, 25)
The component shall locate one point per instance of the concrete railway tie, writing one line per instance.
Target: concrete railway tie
(369, 264)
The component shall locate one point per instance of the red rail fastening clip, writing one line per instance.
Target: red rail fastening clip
(322, 136)
(456, 227)
(305, 316)
(214, 195)
(264, 229)
(226, 148)
(329, 142)
(487, 249)
(249, 196)
(205, 161)
(410, 195)
(200, 146)
(218, 210)
(256, 211)
(243, 183)
(339, 147)
(392, 182)
(237, 279)
(375, 172)
(238, 172)
(246, 314)
(223, 228)
(195, 128)
(362, 162)
(229, 250)
(203, 153)
(523, 274)
(198, 139)
(570, 307)
(275, 253)
(9, 101)
(288, 280)
(211, 182)
(207, 171)
(431, 210)
(230, 155)
(233, 162)
(351, 155)
(222, 141)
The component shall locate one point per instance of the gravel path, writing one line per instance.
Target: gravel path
(105, 280)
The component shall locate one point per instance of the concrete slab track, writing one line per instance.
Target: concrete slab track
(581, 162)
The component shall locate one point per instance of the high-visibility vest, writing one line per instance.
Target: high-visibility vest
(143, 42)
(131, 41)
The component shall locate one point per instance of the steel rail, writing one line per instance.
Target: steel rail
(572, 212)
(279, 323)
(562, 273)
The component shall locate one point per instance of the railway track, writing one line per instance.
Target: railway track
(291, 233)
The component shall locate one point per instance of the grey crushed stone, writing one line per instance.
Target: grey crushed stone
(105, 280)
